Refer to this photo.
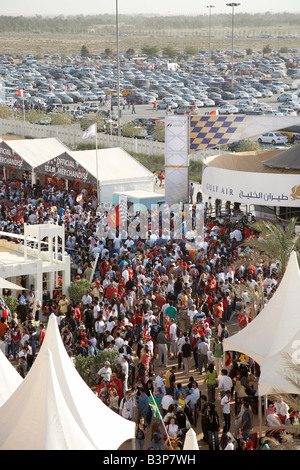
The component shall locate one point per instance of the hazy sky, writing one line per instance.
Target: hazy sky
(165, 7)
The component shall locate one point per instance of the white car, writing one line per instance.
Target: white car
(262, 107)
(250, 100)
(208, 102)
(272, 138)
(267, 93)
(228, 109)
(289, 112)
(271, 112)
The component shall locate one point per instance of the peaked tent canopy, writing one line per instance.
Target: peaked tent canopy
(277, 324)
(68, 415)
(190, 442)
(5, 284)
(277, 375)
(286, 160)
(10, 379)
(37, 151)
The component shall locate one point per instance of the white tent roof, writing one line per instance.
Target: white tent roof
(114, 165)
(5, 284)
(190, 442)
(273, 330)
(67, 414)
(37, 151)
(10, 379)
(277, 375)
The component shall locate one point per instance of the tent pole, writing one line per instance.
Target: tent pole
(260, 414)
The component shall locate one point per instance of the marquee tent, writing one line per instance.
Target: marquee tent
(10, 379)
(5, 284)
(273, 332)
(37, 151)
(54, 409)
(116, 171)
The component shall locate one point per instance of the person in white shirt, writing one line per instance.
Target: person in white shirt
(86, 299)
(225, 404)
(173, 337)
(105, 372)
(128, 406)
(159, 382)
(225, 383)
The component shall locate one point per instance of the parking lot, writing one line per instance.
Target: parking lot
(152, 87)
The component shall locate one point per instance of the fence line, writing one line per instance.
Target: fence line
(72, 136)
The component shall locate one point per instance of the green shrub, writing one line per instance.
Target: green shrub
(11, 302)
(88, 366)
(78, 288)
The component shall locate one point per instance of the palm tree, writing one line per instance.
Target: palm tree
(273, 243)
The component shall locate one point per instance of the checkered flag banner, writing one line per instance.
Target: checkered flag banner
(3, 305)
(214, 130)
(108, 102)
(123, 211)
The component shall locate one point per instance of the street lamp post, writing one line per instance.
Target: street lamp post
(233, 6)
(118, 67)
(209, 30)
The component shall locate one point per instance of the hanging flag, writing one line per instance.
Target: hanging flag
(113, 218)
(154, 404)
(20, 93)
(79, 197)
(90, 132)
(214, 112)
(118, 215)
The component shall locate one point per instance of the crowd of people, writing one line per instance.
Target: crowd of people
(163, 305)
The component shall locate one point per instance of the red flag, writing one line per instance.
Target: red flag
(20, 93)
(216, 112)
(113, 218)
(79, 198)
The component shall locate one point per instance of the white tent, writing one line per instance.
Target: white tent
(190, 442)
(5, 284)
(116, 171)
(273, 332)
(54, 409)
(37, 151)
(10, 379)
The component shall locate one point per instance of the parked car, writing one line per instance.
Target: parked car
(228, 109)
(187, 110)
(287, 97)
(272, 138)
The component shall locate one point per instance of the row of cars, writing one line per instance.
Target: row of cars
(188, 88)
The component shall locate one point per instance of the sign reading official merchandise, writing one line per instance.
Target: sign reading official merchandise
(64, 166)
(9, 158)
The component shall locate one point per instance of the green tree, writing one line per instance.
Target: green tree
(78, 288)
(191, 50)
(170, 51)
(130, 52)
(11, 302)
(274, 242)
(84, 52)
(108, 52)
(130, 129)
(248, 146)
(159, 132)
(150, 50)
(60, 119)
(6, 112)
(266, 49)
(249, 51)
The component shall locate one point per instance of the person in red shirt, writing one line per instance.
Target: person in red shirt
(160, 300)
(117, 385)
(42, 334)
(111, 290)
